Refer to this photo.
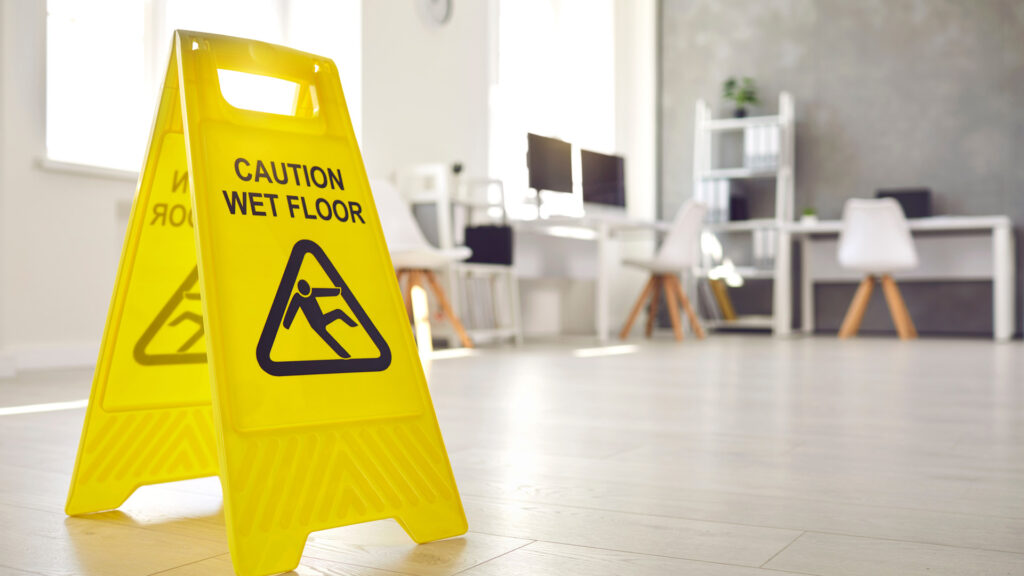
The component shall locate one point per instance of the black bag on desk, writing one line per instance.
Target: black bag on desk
(490, 244)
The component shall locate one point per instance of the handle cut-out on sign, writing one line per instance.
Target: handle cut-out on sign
(267, 94)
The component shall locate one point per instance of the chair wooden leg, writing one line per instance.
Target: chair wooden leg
(898, 309)
(673, 308)
(694, 321)
(636, 308)
(447, 308)
(652, 311)
(855, 313)
(406, 290)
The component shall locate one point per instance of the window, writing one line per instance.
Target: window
(106, 61)
(556, 77)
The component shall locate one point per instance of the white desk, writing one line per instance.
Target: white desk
(973, 259)
(600, 229)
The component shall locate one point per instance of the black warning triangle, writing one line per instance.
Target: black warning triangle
(163, 318)
(286, 304)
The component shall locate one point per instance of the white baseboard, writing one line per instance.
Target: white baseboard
(43, 357)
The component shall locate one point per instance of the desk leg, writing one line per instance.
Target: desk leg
(601, 312)
(782, 293)
(513, 295)
(1003, 280)
(806, 286)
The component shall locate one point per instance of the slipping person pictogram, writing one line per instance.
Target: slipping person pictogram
(192, 317)
(295, 294)
(158, 346)
(305, 300)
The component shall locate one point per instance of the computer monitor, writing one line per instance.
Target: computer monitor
(549, 161)
(604, 178)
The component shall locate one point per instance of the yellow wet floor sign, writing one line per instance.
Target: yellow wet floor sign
(268, 344)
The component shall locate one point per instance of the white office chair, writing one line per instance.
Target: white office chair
(679, 252)
(411, 254)
(876, 240)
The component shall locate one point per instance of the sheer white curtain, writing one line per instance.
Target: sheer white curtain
(555, 77)
(106, 60)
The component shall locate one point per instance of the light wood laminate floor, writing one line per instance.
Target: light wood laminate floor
(738, 455)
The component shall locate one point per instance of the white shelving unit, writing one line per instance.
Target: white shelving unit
(706, 168)
(486, 317)
(502, 317)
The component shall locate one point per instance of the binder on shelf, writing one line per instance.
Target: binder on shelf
(715, 195)
(738, 208)
(750, 161)
(722, 200)
(773, 147)
(761, 147)
(764, 247)
(759, 249)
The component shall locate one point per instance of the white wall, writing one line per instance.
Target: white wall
(636, 85)
(635, 51)
(6, 362)
(59, 234)
(425, 87)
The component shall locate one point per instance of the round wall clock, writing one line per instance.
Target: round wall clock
(436, 12)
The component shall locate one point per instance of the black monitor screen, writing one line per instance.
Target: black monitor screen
(550, 163)
(604, 178)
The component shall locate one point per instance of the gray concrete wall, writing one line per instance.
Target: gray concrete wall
(889, 93)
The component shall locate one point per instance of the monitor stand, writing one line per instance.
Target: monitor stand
(609, 210)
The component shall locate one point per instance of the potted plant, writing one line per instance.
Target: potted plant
(742, 92)
(809, 216)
